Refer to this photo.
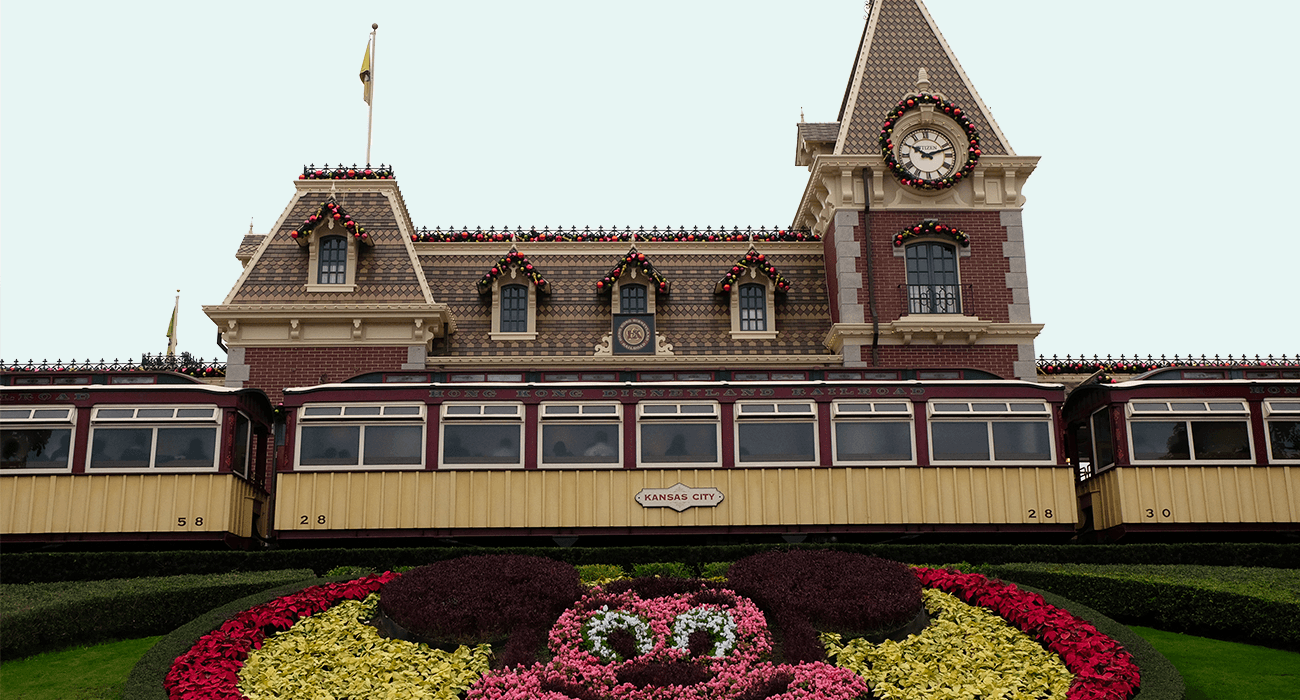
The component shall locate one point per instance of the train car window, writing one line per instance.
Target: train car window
(154, 437)
(776, 433)
(581, 434)
(36, 439)
(872, 432)
(1189, 431)
(670, 434)
(366, 436)
(985, 431)
(482, 435)
(1283, 430)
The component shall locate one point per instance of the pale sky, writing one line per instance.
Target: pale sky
(138, 140)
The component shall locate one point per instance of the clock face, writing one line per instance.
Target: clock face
(927, 154)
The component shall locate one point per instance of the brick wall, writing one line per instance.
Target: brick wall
(985, 270)
(273, 369)
(998, 359)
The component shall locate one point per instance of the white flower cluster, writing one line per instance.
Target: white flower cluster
(606, 621)
(719, 623)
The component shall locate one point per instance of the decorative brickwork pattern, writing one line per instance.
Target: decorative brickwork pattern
(384, 272)
(902, 43)
(574, 318)
(274, 369)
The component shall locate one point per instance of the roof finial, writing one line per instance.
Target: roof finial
(922, 81)
(250, 225)
(801, 115)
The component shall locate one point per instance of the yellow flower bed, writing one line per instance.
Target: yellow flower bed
(330, 655)
(966, 652)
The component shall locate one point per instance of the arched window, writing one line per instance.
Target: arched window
(632, 299)
(333, 260)
(514, 308)
(932, 279)
(753, 307)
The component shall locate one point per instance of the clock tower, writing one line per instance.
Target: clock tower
(917, 195)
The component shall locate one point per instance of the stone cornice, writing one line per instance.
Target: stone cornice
(835, 182)
(640, 361)
(934, 329)
(330, 325)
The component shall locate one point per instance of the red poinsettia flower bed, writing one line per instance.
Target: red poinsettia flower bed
(210, 669)
(1103, 669)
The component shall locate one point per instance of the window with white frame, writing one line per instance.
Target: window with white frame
(753, 307)
(333, 260)
(990, 431)
(1283, 425)
(154, 437)
(482, 435)
(361, 436)
(776, 432)
(581, 434)
(873, 432)
(1193, 431)
(632, 299)
(671, 434)
(36, 438)
(514, 309)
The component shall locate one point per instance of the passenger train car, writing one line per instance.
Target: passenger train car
(689, 453)
(120, 456)
(1188, 449)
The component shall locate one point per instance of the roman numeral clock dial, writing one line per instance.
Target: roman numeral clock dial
(927, 154)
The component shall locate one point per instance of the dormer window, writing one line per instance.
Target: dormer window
(332, 240)
(632, 299)
(751, 286)
(333, 260)
(514, 285)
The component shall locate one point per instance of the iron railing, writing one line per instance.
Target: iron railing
(695, 234)
(346, 172)
(936, 298)
(183, 363)
(1137, 364)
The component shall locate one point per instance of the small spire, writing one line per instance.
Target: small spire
(250, 226)
(922, 81)
(801, 115)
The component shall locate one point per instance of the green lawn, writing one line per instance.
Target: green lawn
(1212, 669)
(84, 673)
(1215, 669)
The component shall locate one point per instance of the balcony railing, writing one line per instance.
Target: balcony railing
(935, 298)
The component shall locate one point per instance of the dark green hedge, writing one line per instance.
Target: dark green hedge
(146, 679)
(38, 620)
(85, 566)
(1175, 607)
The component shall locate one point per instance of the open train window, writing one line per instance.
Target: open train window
(36, 439)
(581, 434)
(154, 437)
(482, 435)
(361, 436)
(673, 434)
(990, 431)
(872, 432)
(776, 433)
(1283, 421)
(1192, 430)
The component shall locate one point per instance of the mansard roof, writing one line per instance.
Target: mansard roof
(387, 272)
(900, 38)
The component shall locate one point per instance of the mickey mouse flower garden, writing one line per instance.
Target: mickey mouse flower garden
(847, 627)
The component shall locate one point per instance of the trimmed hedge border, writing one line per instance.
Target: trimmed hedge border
(42, 567)
(122, 609)
(146, 679)
(1160, 680)
(1173, 607)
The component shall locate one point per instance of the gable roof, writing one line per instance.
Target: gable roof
(900, 38)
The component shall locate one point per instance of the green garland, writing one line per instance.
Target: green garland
(950, 110)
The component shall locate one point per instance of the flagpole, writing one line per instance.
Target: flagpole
(374, 29)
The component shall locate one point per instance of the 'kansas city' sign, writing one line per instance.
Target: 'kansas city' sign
(679, 497)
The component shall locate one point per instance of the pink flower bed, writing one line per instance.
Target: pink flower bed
(711, 642)
(210, 669)
(1103, 669)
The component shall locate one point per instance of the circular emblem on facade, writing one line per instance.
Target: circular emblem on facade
(634, 334)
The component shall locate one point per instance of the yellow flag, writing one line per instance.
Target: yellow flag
(365, 75)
